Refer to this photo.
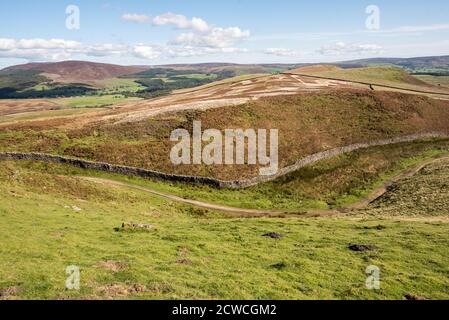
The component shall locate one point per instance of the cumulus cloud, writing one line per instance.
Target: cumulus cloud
(215, 38)
(342, 48)
(281, 52)
(104, 50)
(60, 49)
(181, 22)
(134, 17)
(55, 49)
(202, 34)
(11, 44)
(147, 51)
(152, 52)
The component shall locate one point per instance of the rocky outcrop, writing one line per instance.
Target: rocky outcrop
(238, 184)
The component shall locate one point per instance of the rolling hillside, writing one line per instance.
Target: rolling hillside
(380, 75)
(411, 63)
(51, 218)
(308, 123)
(78, 71)
(194, 252)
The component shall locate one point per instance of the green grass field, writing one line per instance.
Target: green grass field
(94, 101)
(382, 75)
(117, 86)
(327, 184)
(51, 221)
(442, 81)
(36, 115)
(70, 106)
(52, 218)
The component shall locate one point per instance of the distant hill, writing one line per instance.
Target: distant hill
(375, 74)
(420, 62)
(70, 78)
(78, 71)
(425, 65)
(237, 69)
(82, 71)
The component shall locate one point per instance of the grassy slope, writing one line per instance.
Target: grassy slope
(239, 78)
(424, 193)
(48, 114)
(196, 254)
(63, 107)
(326, 184)
(442, 81)
(94, 101)
(307, 123)
(117, 85)
(383, 75)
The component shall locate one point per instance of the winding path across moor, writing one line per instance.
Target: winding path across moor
(240, 212)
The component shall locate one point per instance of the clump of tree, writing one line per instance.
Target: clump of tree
(176, 80)
(58, 92)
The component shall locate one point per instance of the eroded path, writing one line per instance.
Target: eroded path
(240, 212)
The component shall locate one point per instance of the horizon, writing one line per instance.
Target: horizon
(222, 63)
(187, 32)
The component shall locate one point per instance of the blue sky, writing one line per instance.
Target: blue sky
(243, 31)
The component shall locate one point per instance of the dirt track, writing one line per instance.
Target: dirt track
(239, 212)
(230, 210)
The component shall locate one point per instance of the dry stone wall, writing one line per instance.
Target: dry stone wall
(239, 184)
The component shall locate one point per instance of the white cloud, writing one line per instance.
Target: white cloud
(55, 49)
(342, 48)
(104, 50)
(60, 49)
(10, 44)
(152, 52)
(134, 17)
(7, 44)
(215, 38)
(35, 54)
(281, 52)
(147, 52)
(181, 22)
(202, 34)
(38, 49)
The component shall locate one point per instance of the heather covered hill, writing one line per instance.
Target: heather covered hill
(79, 71)
(308, 123)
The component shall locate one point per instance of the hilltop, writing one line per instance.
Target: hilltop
(77, 71)
(372, 74)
